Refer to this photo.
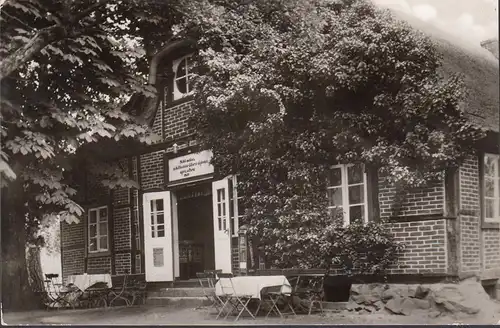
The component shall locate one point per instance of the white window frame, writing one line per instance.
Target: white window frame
(345, 193)
(98, 232)
(496, 189)
(177, 94)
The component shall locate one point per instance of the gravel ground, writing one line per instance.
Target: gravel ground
(157, 315)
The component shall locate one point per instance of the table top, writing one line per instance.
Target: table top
(251, 285)
(84, 281)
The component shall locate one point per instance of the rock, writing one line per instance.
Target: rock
(363, 311)
(449, 307)
(378, 305)
(358, 298)
(395, 305)
(434, 314)
(407, 306)
(351, 306)
(421, 304)
(355, 289)
(421, 292)
(388, 294)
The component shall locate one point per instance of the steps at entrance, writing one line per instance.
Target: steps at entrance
(179, 297)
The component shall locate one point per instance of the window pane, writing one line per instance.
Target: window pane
(181, 69)
(219, 194)
(160, 219)
(93, 216)
(104, 243)
(182, 85)
(356, 195)
(355, 174)
(161, 232)
(152, 219)
(356, 214)
(159, 204)
(335, 177)
(489, 187)
(489, 166)
(219, 210)
(489, 207)
(103, 228)
(336, 212)
(93, 244)
(103, 214)
(153, 207)
(92, 231)
(335, 197)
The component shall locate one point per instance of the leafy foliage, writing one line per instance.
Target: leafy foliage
(288, 88)
(67, 68)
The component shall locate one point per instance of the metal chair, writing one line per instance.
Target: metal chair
(207, 284)
(274, 297)
(238, 302)
(313, 292)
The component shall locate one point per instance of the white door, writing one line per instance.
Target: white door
(158, 250)
(222, 228)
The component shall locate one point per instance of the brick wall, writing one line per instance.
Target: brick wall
(470, 242)
(422, 201)
(123, 263)
(469, 185)
(491, 242)
(152, 170)
(426, 247)
(98, 265)
(121, 217)
(175, 121)
(73, 248)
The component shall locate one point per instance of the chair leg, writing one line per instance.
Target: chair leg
(244, 308)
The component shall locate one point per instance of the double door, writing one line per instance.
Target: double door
(161, 244)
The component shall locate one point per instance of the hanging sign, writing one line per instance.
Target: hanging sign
(190, 166)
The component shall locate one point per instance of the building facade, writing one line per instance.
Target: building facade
(182, 221)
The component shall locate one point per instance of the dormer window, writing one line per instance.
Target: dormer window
(183, 77)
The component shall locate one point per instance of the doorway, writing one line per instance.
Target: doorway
(196, 233)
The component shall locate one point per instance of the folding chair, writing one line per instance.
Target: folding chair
(206, 281)
(236, 301)
(313, 293)
(277, 298)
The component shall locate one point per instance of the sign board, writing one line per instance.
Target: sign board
(190, 166)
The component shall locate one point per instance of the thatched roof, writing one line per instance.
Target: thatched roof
(478, 66)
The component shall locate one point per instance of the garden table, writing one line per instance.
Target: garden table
(253, 285)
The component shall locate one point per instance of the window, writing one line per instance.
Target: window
(491, 189)
(347, 192)
(183, 77)
(98, 229)
(157, 218)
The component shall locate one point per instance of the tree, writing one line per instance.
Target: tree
(67, 68)
(288, 88)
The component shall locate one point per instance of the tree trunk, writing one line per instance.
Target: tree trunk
(16, 291)
(19, 57)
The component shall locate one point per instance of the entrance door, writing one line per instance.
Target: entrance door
(158, 250)
(222, 228)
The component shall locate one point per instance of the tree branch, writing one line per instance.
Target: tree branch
(44, 37)
(16, 19)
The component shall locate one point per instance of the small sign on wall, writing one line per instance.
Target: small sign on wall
(190, 166)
